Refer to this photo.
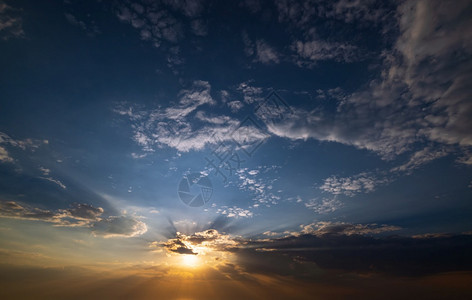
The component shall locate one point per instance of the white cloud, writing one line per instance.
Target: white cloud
(56, 181)
(251, 93)
(235, 106)
(261, 188)
(234, 212)
(174, 126)
(324, 206)
(422, 93)
(350, 186)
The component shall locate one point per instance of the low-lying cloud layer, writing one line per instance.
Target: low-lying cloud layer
(340, 247)
(79, 215)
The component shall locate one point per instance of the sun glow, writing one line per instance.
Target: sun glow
(190, 260)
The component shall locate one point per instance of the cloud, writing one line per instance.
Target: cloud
(350, 186)
(56, 181)
(261, 187)
(302, 13)
(11, 25)
(234, 212)
(175, 125)
(420, 158)
(333, 250)
(340, 228)
(199, 27)
(5, 156)
(261, 50)
(420, 95)
(310, 52)
(159, 22)
(199, 243)
(22, 144)
(324, 206)
(119, 226)
(266, 54)
(78, 215)
(88, 26)
(251, 94)
(155, 23)
(248, 44)
(235, 106)
(337, 247)
(85, 212)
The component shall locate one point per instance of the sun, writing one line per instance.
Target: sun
(190, 260)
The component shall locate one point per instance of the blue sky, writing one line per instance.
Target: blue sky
(343, 117)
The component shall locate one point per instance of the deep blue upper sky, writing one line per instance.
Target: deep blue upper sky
(110, 104)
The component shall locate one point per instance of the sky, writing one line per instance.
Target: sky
(198, 149)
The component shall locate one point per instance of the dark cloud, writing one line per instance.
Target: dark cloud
(119, 226)
(211, 238)
(85, 211)
(178, 246)
(342, 253)
(79, 215)
(341, 248)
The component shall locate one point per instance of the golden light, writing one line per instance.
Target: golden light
(190, 260)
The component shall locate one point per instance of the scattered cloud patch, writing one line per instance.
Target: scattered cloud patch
(350, 186)
(324, 206)
(308, 53)
(11, 24)
(234, 212)
(266, 54)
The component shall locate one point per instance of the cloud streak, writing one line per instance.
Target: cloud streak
(79, 215)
